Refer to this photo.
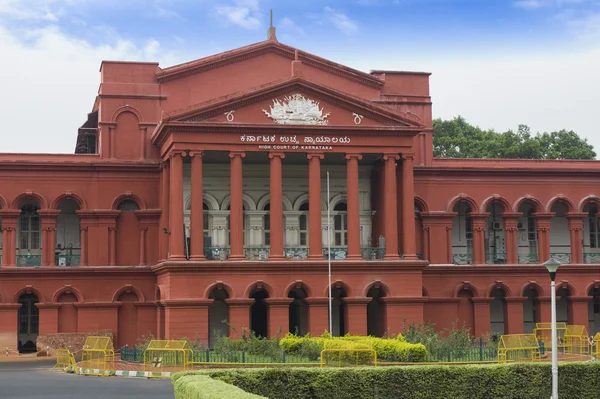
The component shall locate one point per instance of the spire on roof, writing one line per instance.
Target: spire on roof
(271, 31)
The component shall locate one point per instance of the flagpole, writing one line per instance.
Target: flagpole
(329, 255)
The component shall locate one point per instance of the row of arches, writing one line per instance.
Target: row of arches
(536, 204)
(43, 203)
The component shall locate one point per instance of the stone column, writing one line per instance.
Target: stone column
(481, 315)
(315, 241)
(176, 207)
(164, 217)
(408, 209)
(575, 221)
(542, 225)
(239, 316)
(48, 224)
(356, 320)
(514, 314)
(390, 207)
(276, 206)
(112, 245)
(478, 220)
(511, 221)
(236, 213)
(278, 316)
(9, 240)
(353, 202)
(197, 217)
(318, 315)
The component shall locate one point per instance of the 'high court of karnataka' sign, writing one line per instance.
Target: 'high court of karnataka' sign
(272, 142)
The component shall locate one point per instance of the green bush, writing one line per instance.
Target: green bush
(204, 387)
(515, 381)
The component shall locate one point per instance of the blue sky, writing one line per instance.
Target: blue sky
(496, 62)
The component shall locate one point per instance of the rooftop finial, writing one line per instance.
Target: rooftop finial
(271, 30)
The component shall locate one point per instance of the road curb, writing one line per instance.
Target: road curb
(124, 373)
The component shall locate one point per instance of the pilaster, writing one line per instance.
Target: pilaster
(479, 220)
(356, 321)
(279, 319)
(514, 317)
(575, 221)
(481, 315)
(542, 225)
(239, 316)
(318, 315)
(511, 222)
(9, 236)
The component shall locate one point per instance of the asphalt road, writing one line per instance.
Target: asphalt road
(32, 380)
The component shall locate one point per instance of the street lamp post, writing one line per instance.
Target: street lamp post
(552, 266)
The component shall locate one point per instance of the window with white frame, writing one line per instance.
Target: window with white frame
(244, 235)
(267, 226)
(303, 225)
(531, 231)
(29, 228)
(340, 222)
(205, 221)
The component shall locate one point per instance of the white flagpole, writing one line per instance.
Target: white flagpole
(329, 255)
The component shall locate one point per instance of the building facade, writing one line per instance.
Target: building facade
(206, 198)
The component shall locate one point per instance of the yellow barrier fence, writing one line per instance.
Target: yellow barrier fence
(65, 361)
(576, 340)
(518, 348)
(98, 356)
(167, 356)
(543, 332)
(596, 345)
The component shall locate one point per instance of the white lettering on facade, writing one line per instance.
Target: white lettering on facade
(294, 139)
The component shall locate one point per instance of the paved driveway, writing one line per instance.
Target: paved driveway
(32, 380)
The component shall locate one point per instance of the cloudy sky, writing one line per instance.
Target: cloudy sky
(498, 63)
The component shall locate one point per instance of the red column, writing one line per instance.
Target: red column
(9, 225)
(353, 202)
(44, 261)
(511, 221)
(544, 309)
(143, 231)
(279, 316)
(542, 224)
(315, 242)
(196, 221)
(239, 316)
(408, 209)
(357, 315)
(579, 310)
(402, 310)
(176, 207)
(276, 210)
(478, 220)
(112, 245)
(6, 241)
(514, 316)
(481, 315)
(48, 315)
(164, 215)
(236, 214)
(178, 322)
(390, 210)
(83, 235)
(318, 316)
(576, 228)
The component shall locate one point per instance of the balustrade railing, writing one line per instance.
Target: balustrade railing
(67, 260)
(373, 253)
(255, 253)
(216, 253)
(462, 259)
(496, 258)
(295, 253)
(528, 259)
(29, 260)
(336, 253)
(591, 257)
(562, 257)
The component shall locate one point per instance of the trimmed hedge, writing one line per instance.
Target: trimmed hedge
(514, 381)
(204, 387)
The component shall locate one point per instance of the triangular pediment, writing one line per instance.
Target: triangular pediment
(294, 102)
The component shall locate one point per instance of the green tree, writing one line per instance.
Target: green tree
(457, 138)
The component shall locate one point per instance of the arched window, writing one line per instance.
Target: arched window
(340, 229)
(128, 206)
(29, 228)
(303, 225)
(531, 231)
(267, 226)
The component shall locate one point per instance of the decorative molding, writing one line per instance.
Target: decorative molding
(357, 118)
(229, 116)
(295, 109)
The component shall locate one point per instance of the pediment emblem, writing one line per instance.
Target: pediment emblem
(297, 110)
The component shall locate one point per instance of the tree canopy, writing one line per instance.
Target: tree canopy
(457, 138)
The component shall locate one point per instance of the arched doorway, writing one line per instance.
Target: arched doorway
(339, 311)
(259, 313)
(128, 234)
(67, 313)
(562, 305)
(530, 309)
(28, 319)
(498, 312)
(68, 245)
(594, 311)
(127, 319)
(218, 316)
(376, 317)
(298, 311)
(29, 234)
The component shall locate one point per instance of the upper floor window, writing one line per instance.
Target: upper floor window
(531, 230)
(205, 221)
(267, 226)
(594, 223)
(29, 228)
(303, 225)
(128, 206)
(340, 222)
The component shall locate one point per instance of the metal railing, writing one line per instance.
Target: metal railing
(527, 259)
(496, 258)
(29, 260)
(375, 253)
(462, 259)
(67, 260)
(295, 253)
(591, 257)
(562, 257)
(255, 253)
(216, 253)
(336, 253)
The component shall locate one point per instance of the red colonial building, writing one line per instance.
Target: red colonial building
(198, 194)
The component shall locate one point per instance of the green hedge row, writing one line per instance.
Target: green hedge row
(204, 387)
(514, 381)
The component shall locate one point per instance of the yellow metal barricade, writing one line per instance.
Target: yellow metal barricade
(518, 348)
(65, 361)
(97, 357)
(596, 344)
(576, 340)
(165, 356)
(543, 332)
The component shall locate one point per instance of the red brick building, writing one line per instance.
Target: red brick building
(198, 193)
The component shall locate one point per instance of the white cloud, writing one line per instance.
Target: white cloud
(244, 13)
(535, 4)
(341, 21)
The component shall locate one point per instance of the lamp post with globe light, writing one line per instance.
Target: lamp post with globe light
(552, 266)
